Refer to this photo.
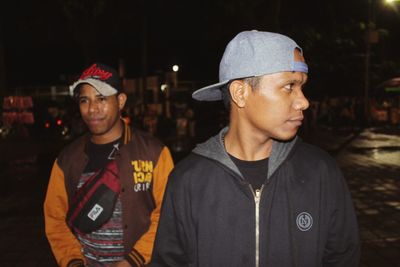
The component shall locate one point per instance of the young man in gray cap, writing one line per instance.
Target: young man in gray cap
(105, 190)
(255, 194)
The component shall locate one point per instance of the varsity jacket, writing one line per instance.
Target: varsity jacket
(144, 164)
(302, 216)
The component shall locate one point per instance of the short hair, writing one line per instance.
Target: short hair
(254, 82)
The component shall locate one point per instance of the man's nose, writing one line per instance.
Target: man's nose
(93, 106)
(301, 102)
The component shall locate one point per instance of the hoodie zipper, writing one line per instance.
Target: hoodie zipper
(257, 198)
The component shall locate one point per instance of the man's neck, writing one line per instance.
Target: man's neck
(110, 136)
(246, 144)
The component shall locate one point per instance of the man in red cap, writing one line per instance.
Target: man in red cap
(105, 190)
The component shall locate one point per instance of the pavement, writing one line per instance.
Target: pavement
(371, 164)
(369, 158)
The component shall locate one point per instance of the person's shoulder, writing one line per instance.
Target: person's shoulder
(73, 148)
(191, 161)
(311, 151)
(145, 138)
(143, 144)
(74, 145)
(314, 165)
(191, 167)
(311, 155)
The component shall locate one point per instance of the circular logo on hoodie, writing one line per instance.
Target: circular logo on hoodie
(304, 221)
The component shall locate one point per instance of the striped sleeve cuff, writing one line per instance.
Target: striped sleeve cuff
(76, 263)
(135, 259)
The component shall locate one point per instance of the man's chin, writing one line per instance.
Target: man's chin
(285, 138)
(96, 131)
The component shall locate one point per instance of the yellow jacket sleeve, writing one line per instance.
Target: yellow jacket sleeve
(160, 176)
(63, 243)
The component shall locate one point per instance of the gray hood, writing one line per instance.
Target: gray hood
(214, 149)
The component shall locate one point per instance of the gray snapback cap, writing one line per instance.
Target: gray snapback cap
(250, 54)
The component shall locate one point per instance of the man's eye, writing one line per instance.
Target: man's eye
(289, 87)
(101, 99)
(82, 101)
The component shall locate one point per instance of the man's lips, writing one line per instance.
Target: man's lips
(297, 121)
(94, 121)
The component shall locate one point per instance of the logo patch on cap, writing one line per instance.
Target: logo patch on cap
(95, 72)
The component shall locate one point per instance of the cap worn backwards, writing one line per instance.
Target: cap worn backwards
(250, 54)
(102, 77)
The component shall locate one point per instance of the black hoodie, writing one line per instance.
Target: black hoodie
(303, 215)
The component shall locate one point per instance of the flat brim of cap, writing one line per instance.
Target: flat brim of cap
(209, 93)
(101, 87)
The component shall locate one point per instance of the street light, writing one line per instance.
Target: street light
(175, 68)
(391, 1)
(163, 87)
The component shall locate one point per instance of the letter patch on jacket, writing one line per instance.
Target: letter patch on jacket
(142, 174)
(304, 221)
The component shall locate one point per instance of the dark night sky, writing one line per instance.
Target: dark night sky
(41, 43)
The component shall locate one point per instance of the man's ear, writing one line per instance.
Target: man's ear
(239, 92)
(121, 100)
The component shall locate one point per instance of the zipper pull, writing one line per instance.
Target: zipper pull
(257, 195)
